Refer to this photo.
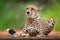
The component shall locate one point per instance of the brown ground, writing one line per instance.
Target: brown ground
(4, 34)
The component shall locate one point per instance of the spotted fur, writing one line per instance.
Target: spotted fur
(35, 25)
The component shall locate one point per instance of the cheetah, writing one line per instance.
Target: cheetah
(35, 25)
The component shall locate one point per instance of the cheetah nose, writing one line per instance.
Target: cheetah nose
(28, 13)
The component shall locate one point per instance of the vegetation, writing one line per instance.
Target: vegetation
(12, 12)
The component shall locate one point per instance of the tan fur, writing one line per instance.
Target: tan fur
(34, 7)
(33, 20)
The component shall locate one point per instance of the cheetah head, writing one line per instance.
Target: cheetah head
(32, 11)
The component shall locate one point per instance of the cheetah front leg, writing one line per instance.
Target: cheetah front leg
(41, 35)
(24, 33)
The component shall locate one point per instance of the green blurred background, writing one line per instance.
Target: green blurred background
(12, 12)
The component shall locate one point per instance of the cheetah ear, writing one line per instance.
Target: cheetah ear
(39, 9)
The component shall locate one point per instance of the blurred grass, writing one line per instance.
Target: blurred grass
(12, 13)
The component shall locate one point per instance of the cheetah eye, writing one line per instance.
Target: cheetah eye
(26, 8)
(32, 9)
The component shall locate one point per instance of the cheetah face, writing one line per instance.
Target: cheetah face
(32, 11)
